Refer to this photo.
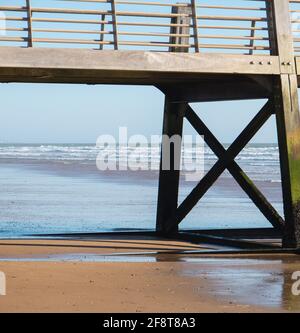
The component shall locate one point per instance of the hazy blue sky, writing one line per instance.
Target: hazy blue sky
(80, 113)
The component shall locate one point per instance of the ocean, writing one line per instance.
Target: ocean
(57, 188)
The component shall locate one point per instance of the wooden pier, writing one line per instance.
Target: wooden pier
(193, 51)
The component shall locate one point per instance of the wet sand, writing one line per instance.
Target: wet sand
(73, 197)
(137, 275)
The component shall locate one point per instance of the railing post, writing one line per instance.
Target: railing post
(29, 21)
(195, 25)
(288, 121)
(252, 36)
(180, 28)
(102, 31)
(271, 27)
(115, 24)
(280, 28)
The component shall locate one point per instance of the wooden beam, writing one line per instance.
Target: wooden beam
(288, 123)
(239, 175)
(212, 89)
(99, 66)
(169, 179)
(213, 174)
(280, 13)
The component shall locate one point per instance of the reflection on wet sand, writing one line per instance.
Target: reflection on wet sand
(261, 282)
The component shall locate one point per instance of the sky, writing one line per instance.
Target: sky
(41, 113)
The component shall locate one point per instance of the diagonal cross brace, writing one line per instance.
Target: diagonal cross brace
(223, 163)
(239, 175)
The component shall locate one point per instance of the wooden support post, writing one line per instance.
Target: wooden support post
(288, 128)
(172, 125)
(288, 121)
(280, 29)
(169, 179)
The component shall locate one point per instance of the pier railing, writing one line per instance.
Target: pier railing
(239, 26)
(295, 19)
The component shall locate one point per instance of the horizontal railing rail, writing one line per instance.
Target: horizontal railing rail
(295, 20)
(237, 26)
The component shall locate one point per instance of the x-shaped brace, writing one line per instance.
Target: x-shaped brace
(226, 161)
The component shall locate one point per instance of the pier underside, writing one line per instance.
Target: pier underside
(182, 76)
(185, 78)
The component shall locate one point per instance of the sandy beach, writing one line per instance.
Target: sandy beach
(100, 287)
(137, 275)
